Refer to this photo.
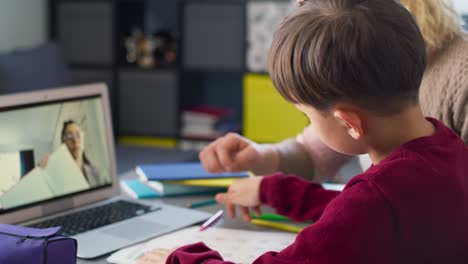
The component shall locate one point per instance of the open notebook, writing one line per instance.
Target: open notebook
(239, 246)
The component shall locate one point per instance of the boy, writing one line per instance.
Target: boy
(354, 68)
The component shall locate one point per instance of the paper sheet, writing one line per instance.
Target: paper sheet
(239, 246)
(31, 188)
(333, 186)
(61, 176)
(11, 170)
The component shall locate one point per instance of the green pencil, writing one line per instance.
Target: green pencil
(201, 203)
(271, 217)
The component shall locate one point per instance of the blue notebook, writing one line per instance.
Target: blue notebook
(181, 171)
(141, 190)
(138, 189)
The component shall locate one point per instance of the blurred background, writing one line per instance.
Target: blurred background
(179, 73)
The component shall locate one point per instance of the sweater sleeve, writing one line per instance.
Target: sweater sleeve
(309, 157)
(460, 108)
(197, 253)
(356, 227)
(295, 197)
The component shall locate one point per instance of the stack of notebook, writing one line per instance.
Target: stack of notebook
(174, 179)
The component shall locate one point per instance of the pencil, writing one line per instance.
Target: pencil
(212, 220)
(201, 203)
(270, 216)
(284, 227)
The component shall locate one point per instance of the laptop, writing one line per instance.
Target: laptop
(58, 168)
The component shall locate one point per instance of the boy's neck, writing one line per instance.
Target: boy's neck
(386, 134)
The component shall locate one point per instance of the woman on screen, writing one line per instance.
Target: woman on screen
(73, 137)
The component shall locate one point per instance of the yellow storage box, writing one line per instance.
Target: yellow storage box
(267, 116)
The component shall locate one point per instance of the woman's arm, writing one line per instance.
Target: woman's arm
(308, 157)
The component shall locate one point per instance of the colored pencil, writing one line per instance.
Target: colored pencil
(212, 220)
(201, 203)
(271, 217)
(280, 226)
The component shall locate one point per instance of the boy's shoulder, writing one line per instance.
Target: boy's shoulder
(423, 159)
(408, 176)
(398, 181)
(403, 169)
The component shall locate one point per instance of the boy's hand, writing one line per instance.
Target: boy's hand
(155, 256)
(244, 193)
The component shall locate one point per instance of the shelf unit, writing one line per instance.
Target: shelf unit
(216, 51)
(91, 33)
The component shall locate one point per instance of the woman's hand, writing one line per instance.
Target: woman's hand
(44, 161)
(232, 152)
(245, 194)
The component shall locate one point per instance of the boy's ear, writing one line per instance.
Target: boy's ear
(351, 121)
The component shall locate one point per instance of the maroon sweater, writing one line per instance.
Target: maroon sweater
(410, 208)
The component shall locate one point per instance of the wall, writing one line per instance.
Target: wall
(461, 6)
(23, 23)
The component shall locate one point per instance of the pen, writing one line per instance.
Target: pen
(201, 203)
(271, 217)
(288, 228)
(212, 220)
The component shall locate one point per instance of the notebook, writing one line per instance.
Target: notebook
(241, 246)
(62, 124)
(138, 189)
(181, 171)
(143, 190)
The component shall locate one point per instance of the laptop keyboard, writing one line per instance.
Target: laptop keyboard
(95, 217)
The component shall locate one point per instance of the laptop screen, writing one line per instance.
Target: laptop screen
(52, 150)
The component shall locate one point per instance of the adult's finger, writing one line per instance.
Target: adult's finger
(228, 148)
(245, 159)
(210, 161)
(225, 157)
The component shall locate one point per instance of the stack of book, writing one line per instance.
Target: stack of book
(175, 179)
(206, 123)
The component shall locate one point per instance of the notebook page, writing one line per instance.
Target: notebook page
(239, 246)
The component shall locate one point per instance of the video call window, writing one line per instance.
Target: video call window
(52, 150)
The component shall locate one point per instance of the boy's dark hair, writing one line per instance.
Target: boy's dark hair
(369, 53)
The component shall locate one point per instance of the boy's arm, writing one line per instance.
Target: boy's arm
(295, 197)
(356, 227)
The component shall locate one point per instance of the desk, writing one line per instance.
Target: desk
(129, 157)
(236, 223)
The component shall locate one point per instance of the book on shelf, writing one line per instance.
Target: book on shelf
(207, 123)
(187, 144)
